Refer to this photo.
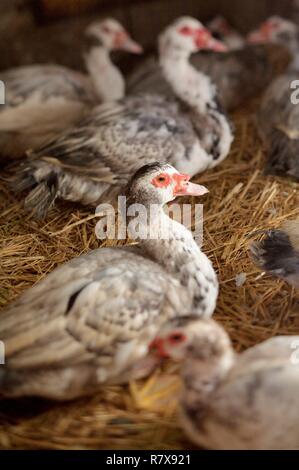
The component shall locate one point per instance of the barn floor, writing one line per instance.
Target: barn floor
(144, 415)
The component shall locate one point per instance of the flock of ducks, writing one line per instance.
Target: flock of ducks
(113, 315)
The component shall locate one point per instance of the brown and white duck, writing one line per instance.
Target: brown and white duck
(234, 401)
(278, 116)
(91, 321)
(222, 30)
(92, 161)
(43, 100)
(231, 72)
(278, 252)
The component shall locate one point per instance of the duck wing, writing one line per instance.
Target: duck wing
(257, 405)
(40, 101)
(101, 309)
(148, 78)
(105, 149)
(41, 83)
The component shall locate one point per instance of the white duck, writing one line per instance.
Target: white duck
(222, 30)
(278, 116)
(43, 100)
(92, 320)
(94, 159)
(231, 72)
(234, 401)
(278, 252)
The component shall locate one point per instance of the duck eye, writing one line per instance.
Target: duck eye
(161, 181)
(106, 29)
(186, 31)
(176, 338)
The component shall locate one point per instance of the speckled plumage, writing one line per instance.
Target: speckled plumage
(278, 116)
(238, 401)
(94, 159)
(231, 72)
(91, 321)
(278, 125)
(43, 100)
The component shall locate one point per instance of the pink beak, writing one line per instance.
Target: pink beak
(216, 45)
(256, 37)
(191, 189)
(131, 46)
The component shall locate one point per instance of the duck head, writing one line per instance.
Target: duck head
(220, 27)
(189, 35)
(276, 30)
(159, 183)
(113, 36)
(204, 341)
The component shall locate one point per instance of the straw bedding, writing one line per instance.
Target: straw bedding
(144, 415)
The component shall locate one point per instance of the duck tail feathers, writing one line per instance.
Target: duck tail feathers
(277, 255)
(42, 197)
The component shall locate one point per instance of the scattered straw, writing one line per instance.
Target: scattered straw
(241, 202)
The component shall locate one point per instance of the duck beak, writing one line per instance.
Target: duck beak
(256, 37)
(131, 46)
(183, 186)
(191, 189)
(217, 46)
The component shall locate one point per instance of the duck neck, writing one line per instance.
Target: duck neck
(201, 380)
(107, 79)
(172, 245)
(191, 86)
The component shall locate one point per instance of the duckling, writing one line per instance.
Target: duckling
(43, 100)
(92, 320)
(278, 253)
(278, 116)
(93, 160)
(222, 30)
(234, 401)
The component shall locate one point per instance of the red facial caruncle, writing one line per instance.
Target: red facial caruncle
(265, 32)
(120, 37)
(181, 184)
(158, 344)
(268, 28)
(181, 179)
(202, 37)
(186, 31)
(162, 180)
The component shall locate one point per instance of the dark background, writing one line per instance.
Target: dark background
(39, 31)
